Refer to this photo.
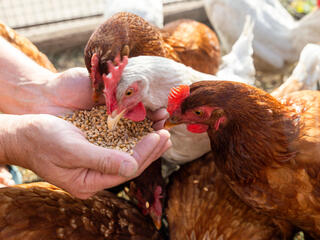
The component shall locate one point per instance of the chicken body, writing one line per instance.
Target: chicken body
(130, 35)
(155, 76)
(202, 206)
(25, 46)
(41, 211)
(267, 151)
(278, 38)
(306, 75)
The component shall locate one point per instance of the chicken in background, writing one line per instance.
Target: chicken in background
(306, 74)
(278, 38)
(151, 11)
(268, 151)
(130, 35)
(202, 206)
(147, 192)
(43, 211)
(145, 84)
(25, 46)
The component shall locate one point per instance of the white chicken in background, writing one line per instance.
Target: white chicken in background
(151, 11)
(306, 74)
(238, 64)
(278, 38)
(153, 77)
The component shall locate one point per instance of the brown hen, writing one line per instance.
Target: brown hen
(43, 211)
(25, 46)
(202, 206)
(186, 41)
(268, 151)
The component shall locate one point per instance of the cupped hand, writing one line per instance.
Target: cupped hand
(68, 91)
(59, 153)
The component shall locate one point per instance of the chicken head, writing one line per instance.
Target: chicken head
(122, 102)
(198, 117)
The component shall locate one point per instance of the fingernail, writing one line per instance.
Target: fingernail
(127, 168)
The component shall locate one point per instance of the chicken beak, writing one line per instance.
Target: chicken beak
(113, 120)
(169, 124)
(157, 222)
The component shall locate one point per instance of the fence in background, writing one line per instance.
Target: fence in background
(21, 14)
(60, 24)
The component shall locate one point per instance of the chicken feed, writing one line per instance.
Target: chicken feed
(94, 124)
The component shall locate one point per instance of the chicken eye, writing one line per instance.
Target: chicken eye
(129, 92)
(198, 112)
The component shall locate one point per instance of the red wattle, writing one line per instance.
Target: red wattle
(217, 124)
(197, 128)
(136, 114)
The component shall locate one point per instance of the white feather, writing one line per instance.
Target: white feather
(306, 75)
(278, 37)
(158, 75)
(238, 64)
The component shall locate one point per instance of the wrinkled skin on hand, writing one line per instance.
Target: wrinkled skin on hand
(59, 152)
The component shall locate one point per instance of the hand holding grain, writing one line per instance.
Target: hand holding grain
(59, 153)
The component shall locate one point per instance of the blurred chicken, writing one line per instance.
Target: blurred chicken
(145, 84)
(151, 11)
(306, 74)
(25, 46)
(148, 192)
(42, 211)
(202, 206)
(278, 38)
(268, 151)
(130, 35)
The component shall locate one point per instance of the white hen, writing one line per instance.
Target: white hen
(306, 74)
(278, 38)
(151, 11)
(157, 75)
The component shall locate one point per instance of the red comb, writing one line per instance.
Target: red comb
(95, 76)
(318, 3)
(176, 97)
(111, 81)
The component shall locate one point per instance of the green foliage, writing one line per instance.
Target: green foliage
(299, 8)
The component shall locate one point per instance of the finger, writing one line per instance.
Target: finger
(144, 156)
(163, 146)
(145, 147)
(96, 181)
(158, 125)
(106, 161)
(160, 114)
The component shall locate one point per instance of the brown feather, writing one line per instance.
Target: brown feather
(269, 151)
(202, 206)
(186, 41)
(25, 46)
(42, 211)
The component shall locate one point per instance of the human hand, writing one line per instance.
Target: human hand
(59, 153)
(70, 90)
(158, 117)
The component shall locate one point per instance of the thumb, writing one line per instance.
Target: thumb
(107, 161)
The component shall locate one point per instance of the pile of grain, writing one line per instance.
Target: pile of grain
(94, 124)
